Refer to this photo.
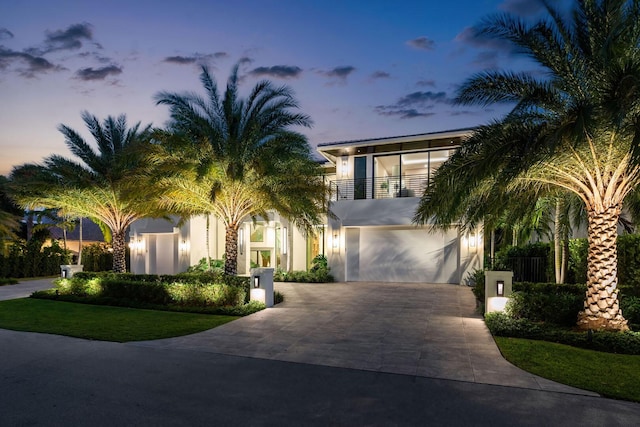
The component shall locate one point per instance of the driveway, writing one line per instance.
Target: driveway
(423, 330)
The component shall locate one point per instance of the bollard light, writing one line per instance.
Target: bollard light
(256, 281)
(500, 288)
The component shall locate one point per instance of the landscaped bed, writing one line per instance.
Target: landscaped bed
(211, 293)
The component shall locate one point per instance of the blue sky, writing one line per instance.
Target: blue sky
(359, 69)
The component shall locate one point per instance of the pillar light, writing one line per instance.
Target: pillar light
(500, 288)
(256, 281)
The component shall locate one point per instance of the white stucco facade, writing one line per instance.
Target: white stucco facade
(369, 235)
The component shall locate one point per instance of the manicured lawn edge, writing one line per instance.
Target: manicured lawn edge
(104, 323)
(611, 375)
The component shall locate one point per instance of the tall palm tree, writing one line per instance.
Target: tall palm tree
(247, 158)
(575, 126)
(99, 184)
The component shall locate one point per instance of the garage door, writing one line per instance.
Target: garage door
(401, 255)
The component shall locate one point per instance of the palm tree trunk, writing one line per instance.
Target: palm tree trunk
(80, 242)
(557, 255)
(601, 309)
(231, 250)
(208, 244)
(119, 252)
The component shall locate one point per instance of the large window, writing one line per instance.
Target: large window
(360, 178)
(405, 175)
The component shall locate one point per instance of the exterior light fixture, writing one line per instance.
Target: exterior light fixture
(344, 167)
(241, 240)
(284, 240)
(335, 241)
(472, 240)
(500, 288)
(256, 281)
(183, 246)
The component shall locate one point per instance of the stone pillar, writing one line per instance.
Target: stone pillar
(496, 282)
(261, 285)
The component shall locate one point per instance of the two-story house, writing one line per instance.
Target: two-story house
(375, 188)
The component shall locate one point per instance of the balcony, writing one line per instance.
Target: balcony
(378, 187)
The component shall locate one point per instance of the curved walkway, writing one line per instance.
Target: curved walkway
(423, 330)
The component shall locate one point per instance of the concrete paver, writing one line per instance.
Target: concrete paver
(422, 330)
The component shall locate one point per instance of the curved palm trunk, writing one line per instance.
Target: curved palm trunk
(80, 242)
(601, 309)
(119, 252)
(231, 250)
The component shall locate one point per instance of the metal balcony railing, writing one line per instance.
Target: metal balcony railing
(379, 187)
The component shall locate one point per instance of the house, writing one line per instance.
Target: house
(375, 184)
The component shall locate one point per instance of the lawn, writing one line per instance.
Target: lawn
(101, 322)
(611, 375)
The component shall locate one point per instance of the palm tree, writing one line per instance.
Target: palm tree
(100, 186)
(243, 158)
(575, 127)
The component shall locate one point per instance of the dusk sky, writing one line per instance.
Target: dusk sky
(360, 69)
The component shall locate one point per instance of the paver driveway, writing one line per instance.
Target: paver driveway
(424, 330)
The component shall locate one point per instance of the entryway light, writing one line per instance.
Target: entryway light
(256, 281)
(183, 246)
(335, 242)
(344, 168)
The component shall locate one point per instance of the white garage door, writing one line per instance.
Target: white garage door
(401, 255)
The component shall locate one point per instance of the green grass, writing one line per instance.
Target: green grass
(611, 375)
(101, 322)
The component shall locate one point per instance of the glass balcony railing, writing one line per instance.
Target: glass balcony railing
(379, 187)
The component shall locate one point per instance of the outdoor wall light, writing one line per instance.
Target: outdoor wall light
(472, 240)
(335, 241)
(136, 246)
(183, 246)
(500, 288)
(344, 167)
(284, 240)
(241, 240)
(256, 281)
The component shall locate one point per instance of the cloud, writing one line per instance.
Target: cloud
(487, 59)
(180, 59)
(5, 34)
(34, 64)
(422, 43)
(380, 75)
(408, 113)
(413, 105)
(277, 71)
(221, 55)
(340, 73)
(426, 83)
(69, 39)
(245, 60)
(89, 74)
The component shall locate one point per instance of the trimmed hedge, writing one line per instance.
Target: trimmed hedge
(501, 324)
(318, 273)
(198, 292)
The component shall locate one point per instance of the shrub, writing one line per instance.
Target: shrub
(318, 273)
(201, 266)
(630, 306)
(501, 324)
(97, 257)
(476, 279)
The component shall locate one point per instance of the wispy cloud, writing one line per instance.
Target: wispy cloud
(277, 71)
(422, 43)
(415, 104)
(5, 34)
(90, 74)
(426, 83)
(31, 65)
(338, 74)
(196, 58)
(70, 38)
(380, 75)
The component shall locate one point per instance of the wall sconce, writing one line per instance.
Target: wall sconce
(472, 240)
(344, 168)
(256, 281)
(183, 246)
(500, 288)
(335, 241)
(137, 246)
(241, 240)
(284, 240)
